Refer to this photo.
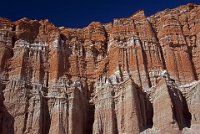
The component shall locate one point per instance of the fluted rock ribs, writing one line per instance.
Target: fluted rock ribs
(135, 75)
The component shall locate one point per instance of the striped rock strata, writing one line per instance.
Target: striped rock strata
(134, 75)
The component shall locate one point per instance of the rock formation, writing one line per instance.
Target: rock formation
(134, 75)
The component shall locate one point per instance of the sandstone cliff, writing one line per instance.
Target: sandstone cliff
(134, 75)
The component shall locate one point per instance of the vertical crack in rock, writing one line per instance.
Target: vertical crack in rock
(190, 49)
(90, 116)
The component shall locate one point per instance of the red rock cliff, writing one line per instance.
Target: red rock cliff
(134, 75)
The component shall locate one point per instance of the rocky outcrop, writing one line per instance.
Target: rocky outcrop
(134, 75)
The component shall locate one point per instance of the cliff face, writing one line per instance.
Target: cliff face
(135, 75)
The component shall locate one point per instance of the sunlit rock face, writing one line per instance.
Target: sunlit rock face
(134, 75)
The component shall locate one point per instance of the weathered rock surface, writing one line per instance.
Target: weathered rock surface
(135, 75)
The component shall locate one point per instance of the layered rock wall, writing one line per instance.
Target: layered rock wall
(134, 75)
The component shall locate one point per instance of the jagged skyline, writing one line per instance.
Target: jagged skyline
(78, 14)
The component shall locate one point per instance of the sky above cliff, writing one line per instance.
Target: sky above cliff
(79, 13)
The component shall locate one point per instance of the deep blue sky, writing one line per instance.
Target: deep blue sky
(79, 13)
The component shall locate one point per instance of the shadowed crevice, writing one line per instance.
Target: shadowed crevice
(90, 118)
